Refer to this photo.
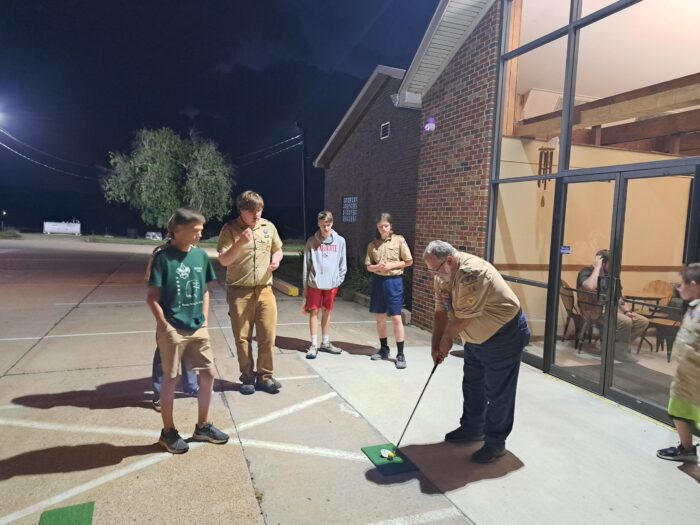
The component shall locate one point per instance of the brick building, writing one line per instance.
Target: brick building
(371, 163)
(550, 128)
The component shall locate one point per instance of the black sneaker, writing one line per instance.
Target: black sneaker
(382, 353)
(267, 385)
(327, 347)
(248, 387)
(400, 361)
(487, 454)
(460, 435)
(209, 433)
(678, 453)
(172, 442)
(156, 405)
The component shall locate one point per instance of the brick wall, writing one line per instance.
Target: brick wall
(453, 173)
(381, 173)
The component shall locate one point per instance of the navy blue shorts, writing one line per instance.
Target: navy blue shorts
(387, 295)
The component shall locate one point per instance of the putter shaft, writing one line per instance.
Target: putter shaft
(415, 407)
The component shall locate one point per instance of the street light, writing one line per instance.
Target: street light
(2, 220)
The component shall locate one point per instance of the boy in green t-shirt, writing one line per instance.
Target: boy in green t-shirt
(179, 299)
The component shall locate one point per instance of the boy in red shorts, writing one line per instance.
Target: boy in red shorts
(324, 270)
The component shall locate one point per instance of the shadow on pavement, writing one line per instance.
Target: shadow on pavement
(76, 458)
(691, 469)
(444, 467)
(118, 394)
(292, 343)
(302, 345)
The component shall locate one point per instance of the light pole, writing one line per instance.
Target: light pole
(303, 176)
(2, 220)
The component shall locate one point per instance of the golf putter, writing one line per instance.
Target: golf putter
(384, 452)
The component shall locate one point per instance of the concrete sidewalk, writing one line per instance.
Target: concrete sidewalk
(76, 343)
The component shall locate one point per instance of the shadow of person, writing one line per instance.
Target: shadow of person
(70, 459)
(691, 469)
(292, 343)
(355, 349)
(118, 394)
(444, 467)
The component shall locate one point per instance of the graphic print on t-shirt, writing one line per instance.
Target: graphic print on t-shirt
(188, 290)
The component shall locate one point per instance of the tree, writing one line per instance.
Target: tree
(164, 172)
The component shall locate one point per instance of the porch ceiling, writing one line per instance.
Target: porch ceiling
(453, 22)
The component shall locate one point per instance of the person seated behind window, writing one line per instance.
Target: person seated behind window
(629, 325)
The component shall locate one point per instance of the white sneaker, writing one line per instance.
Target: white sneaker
(311, 352)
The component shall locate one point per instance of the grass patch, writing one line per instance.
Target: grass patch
(10, 233)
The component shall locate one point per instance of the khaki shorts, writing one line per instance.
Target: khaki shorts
(194, 348)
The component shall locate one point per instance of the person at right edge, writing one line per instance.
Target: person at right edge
(684, 400)
(474, 302)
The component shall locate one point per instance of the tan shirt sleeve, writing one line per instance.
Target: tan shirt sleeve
(276, 241)
(404, 251)
(368, 257)
(225, 239)
(472, 292)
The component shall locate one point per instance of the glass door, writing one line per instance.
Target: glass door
(653, 234)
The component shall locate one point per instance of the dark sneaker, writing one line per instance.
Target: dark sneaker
(172, 442)
(248, 387)
(156, 405)
(460, 435)
(311, 352)
(277, 383)
(487, 454)
(678, 453)
(209, 433)
(192, 393)
(400, 361)
(330, 349)
(382, 353)
(267, 385)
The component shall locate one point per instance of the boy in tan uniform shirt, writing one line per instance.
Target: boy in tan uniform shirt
(250, 248)
(474, 302)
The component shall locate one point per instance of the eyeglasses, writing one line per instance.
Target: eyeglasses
(436, 270)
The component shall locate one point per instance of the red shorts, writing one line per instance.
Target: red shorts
(315, 298)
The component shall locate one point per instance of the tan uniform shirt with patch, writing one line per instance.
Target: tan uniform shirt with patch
(393, 249)
(251, 266)
(479, 293)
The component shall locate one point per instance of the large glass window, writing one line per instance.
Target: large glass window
(531, 19)
(533, 93)
(638, 86)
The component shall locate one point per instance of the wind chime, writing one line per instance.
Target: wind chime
(544, 167)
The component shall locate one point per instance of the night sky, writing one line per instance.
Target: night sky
(77, 78)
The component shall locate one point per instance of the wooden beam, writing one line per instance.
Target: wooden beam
(685, 122)
(674, 94)
(510, 104)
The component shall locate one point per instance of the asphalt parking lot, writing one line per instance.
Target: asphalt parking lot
(76, 343)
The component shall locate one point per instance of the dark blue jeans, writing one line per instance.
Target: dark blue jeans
(490, 379)
(189, 378)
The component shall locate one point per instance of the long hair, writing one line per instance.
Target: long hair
(182, 217)
(383, 217)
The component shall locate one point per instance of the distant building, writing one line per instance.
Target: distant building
(371, 163)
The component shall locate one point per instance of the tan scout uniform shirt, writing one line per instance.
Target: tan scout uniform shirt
(686, 383)
(251, 267)
(477, 292)
(393, 249)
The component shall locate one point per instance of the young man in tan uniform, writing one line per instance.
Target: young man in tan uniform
(474, 302)
(250, 249)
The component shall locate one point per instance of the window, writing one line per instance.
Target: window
(384, 131)
(349, 209)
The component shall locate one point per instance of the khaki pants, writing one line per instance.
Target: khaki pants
(192, 347)
(248, 307)
(628, 329)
